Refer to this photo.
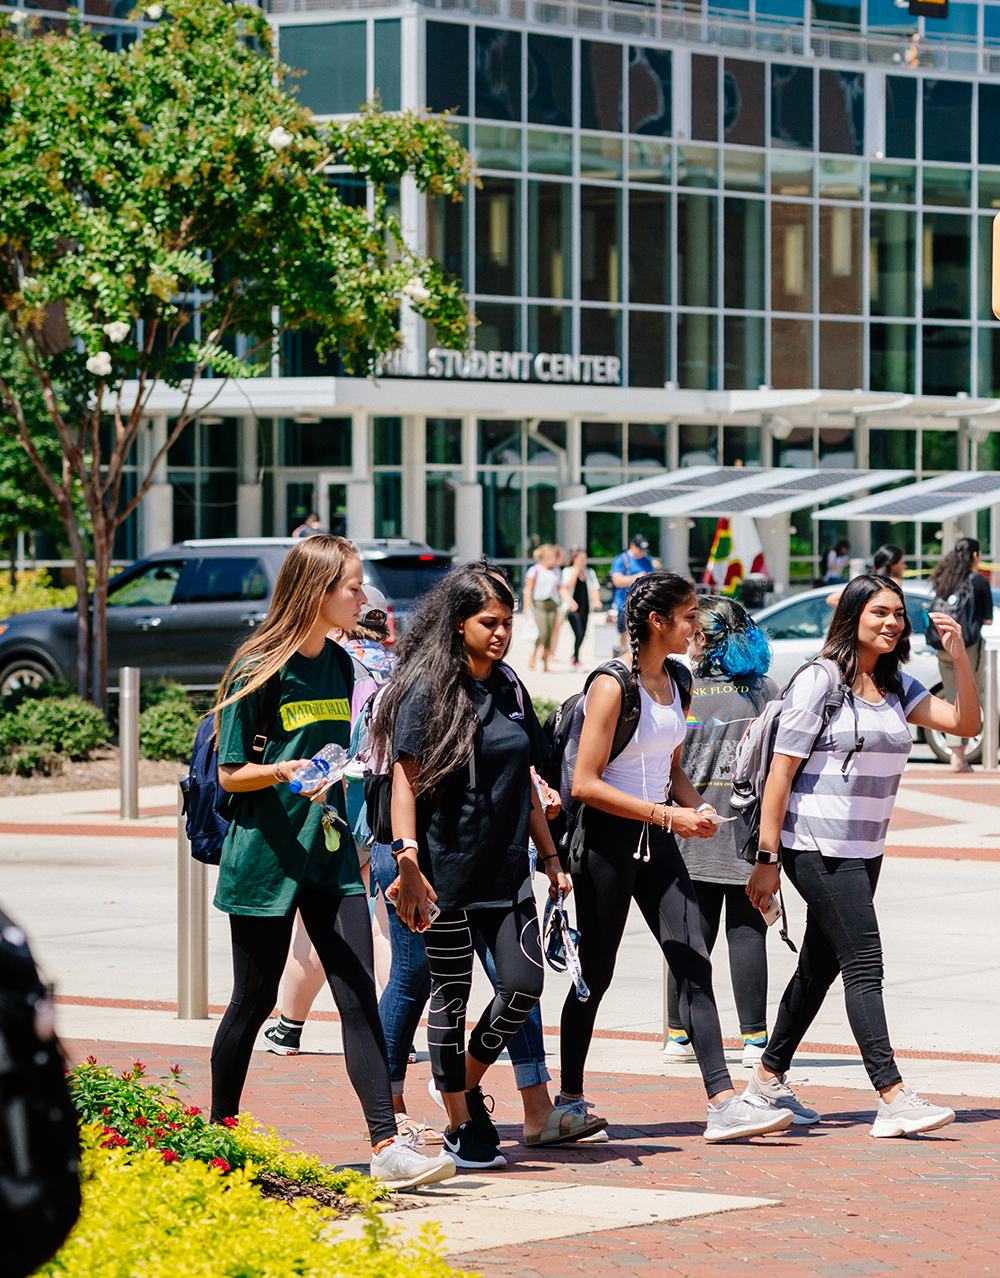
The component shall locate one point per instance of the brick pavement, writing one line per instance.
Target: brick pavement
(850, 1205)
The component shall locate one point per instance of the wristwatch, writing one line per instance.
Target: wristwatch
(400, 845)
(767, 858)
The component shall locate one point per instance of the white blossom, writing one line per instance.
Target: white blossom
(416, 291)
(19, 16)
(154, 12)
(28, 283)
(118, 330)
(279, 138)
(99, 364)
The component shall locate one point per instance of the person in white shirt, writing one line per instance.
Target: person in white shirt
(543, 590)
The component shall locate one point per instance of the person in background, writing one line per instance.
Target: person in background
(310, 527)
(560, 567)
(583, 597)
(542, 594)
(958, 581)
(626, 568)
(836, 563)
(730, 658)
(889, 561)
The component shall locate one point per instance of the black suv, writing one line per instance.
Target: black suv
(181, 613)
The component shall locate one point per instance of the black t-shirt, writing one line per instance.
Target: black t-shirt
(473, 830)
(983, 597)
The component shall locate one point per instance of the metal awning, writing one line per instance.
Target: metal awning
(757, 491)
(932, 500)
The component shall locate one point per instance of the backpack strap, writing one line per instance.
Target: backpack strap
(506, 670)
(267, 718)
(628, 716)
(836, 694)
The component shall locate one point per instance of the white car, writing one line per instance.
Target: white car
(796, 628)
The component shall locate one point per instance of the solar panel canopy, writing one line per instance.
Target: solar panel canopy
(931, 500)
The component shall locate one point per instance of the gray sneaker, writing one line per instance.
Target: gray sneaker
(743, 1116)
(777, 1091)
(401, 1165)
(909, 1115)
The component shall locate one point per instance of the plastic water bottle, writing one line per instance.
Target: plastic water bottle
(331, 759)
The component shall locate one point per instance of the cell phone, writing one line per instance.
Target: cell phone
(428, 913)
(771, 911)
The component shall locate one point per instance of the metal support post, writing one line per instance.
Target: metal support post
(991, 709)
(192, 927)
(128, 741)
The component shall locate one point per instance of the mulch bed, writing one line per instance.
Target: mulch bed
(287, 1190)
(99, 773)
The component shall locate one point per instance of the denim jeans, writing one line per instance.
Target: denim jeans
(405, 997)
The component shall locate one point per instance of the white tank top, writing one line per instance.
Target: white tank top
(643, 767)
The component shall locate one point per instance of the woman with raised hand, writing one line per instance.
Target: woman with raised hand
(463, 736)
(635, 807)
(825, 811)
(282, 853)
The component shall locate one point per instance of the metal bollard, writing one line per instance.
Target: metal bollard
(128, 740)
(991, 710)
(192, 928)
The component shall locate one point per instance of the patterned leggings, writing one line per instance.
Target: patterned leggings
(512, 935)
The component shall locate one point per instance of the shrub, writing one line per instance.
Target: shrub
(544, 707)
(167, 728)
(39, 732)
(34, 590)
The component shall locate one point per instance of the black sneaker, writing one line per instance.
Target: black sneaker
(283, 1042)
(479, 1115)
(468, 1149)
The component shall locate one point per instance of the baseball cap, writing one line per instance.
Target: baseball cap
(376, 611)
(640, 541)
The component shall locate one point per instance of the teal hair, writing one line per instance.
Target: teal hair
(734, 645)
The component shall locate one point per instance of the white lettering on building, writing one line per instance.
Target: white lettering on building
(521, 366)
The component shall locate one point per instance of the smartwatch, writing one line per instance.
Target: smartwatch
(767, 858)
(400, 845)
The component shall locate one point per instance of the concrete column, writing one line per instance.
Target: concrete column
(360, 451)
(859, 536)
(249, 510)
(361, 509)
(414, 486)
(158, 518)
(675, 543)
(571, 525)
(995, 538)
(776, 539)
(468, 522)
(950, 533)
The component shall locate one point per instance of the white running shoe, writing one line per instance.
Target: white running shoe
(434, 1094)
(909, 1115)
(752, 1054)
(777, 1092)
(743, 1116)
(676, 1052)
(401, 1165)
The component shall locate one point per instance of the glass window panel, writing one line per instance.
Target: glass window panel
(704, 98)
(550, 328)
(698, 444)
(791, 354)
(649, 91)
(892, 449)
(498, 74)
(440, 510)
(743, 356)
(387, 441)
(836, 446)
(550, 80)
(649, 247)
(649, 161)
(743, 99)
(443, 441)
(336, 498)
(791, 106)
(500, 443)
(182, 451)
(743, 256)
(989, 368)
(227, 581)
(333, 57)
(840, 356)
(948, 121)
(901, 117)
(601, 334)
(600, 86)
(886, 13)
(947, 361)
(540, 450)
(744, 170)
(791, 174)
(498, 236)
(605, 530)
(600, 157)
(892, 184)
(697, 166)
(991, 23)
(553, 431)
(323, 443)
(741, 445)
(648, 348)
(501, 513)
(961, 24)
(498, 328)
(649, 526)
(697, 351)
(550, 248)
(153, 587)
(985, 225)
(989, 110)
(939, 450)
(447, 234)
(989, 188)
(841, 109)
(791, 258)
(789, 10)
(844, 14)
(891, 357)
(893, 254)
(498, 147)
(840, 261)
(988, 455)
(601, 444)
(841, 179)
(299, 502)
(795, 452)
(697, 229)
(540, 499)
(948, 186)
(218, 443)
(647, 444)
(388, 83)
(600, 244)
(447, 61)
(945, 265)
(550, 152)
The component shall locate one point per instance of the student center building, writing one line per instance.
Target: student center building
(755, 235)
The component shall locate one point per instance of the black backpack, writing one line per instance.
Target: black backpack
(962, 606)
(39, 1136)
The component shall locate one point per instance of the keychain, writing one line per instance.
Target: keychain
(333, 825)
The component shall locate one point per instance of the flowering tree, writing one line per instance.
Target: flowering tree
(179, 179)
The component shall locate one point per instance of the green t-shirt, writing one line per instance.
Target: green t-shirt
(275, 842)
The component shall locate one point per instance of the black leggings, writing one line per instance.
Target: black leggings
(578, 624)
(746, 938)
(341, 930)
(609, 879)
(841, 936)
(513, 938)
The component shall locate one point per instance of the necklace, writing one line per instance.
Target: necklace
(658, 693)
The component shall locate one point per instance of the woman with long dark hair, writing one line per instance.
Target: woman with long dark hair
(278, 856)
(826, 808)
(965, 592)
(463, 735)
(889, 561)
(731, 657)
(583, 597)
(635, 807)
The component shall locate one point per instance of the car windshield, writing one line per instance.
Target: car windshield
(799, 619)
(152, 587)
(406, 576)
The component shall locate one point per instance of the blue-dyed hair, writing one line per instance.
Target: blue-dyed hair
(734, 645)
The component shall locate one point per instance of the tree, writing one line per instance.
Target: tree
(173, 185)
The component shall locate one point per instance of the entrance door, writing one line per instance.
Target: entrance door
(331, 500)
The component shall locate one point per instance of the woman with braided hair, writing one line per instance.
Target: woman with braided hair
(635, 807)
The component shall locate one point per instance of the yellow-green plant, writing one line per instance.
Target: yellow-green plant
(143, 1218)
(34, 590)
(263, 1147)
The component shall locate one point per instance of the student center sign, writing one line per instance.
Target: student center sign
(522, 366)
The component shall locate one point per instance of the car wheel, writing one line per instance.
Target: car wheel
(942, 750)
(23, 673)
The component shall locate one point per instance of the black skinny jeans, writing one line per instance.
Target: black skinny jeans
(341, 930)
(841, 936)
(513, 938)
(608, 880)
(578, 624)
(746, 939)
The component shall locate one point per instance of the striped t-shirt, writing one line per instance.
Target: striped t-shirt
(836, 810)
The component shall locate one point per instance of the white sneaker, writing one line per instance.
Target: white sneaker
(675, 1051)
(909, 1115)
(778, 1093)
(752, 1054)
(742, 1116)
(401, 1165)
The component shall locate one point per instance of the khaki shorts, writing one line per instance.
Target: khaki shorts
(546, 612)
(947, 668)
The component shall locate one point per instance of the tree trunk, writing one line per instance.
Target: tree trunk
(79, 550)
(104, 538)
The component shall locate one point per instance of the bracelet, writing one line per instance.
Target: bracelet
(277, 772)
(652, 814)
(670, 827)
(553, 856)
(663, 816)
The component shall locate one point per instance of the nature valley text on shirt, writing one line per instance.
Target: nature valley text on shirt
(298, 713)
